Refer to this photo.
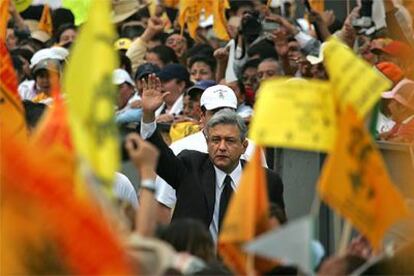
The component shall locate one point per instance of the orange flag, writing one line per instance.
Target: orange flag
(45, 23)
(317, 5)
(243, 222)
(220, 21)
(355, 183)
(64, 235)
(53, 134)
(4, 18)
(11, 108)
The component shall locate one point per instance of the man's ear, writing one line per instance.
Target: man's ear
(245, 144)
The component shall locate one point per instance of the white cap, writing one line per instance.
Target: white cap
(48, 53)
(218, 96)
(121, 76)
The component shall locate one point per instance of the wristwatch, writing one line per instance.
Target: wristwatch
(148, 184)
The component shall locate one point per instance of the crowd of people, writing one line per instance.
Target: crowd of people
(186, 104)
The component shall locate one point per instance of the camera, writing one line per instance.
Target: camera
(253, 25)
(364, 21)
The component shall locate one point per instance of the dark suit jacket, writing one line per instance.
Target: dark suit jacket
(192, 175)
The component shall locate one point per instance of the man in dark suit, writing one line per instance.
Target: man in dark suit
(203, 182)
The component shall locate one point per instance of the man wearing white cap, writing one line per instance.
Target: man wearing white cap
(128, 101)
(212, 100)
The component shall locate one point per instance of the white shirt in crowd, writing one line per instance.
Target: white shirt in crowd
(124, 190)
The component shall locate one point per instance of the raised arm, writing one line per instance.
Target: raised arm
(170, 168)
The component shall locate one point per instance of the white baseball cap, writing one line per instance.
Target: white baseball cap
(121, 76)
(218, 96)
(58, 53)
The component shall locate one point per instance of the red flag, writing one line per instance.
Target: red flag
(11, 108)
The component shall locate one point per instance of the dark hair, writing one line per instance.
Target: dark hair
(125, 62)
(33, 112)
(189, 235)
(162, 37)
(251, 63)
(211, 62)
(62, 28)
(235, 5)
(263, 48)
(132, 31)
(62, 16)
(17, 65)
(165, 54)
(276, 211)
(24, 53)
(200, 50)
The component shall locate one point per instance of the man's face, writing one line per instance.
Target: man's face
(125, 93)
(267, 69)
(225, 146)
(175, 88)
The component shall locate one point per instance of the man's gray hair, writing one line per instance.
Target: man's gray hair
(228, 116)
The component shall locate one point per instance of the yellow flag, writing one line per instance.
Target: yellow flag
(220, 21)
(190, 11)
(296, 114)
(91, 95)
(355, 183)
(4, 18)
(354, 81)
(45, 23)
(11, 108)
(247, 216)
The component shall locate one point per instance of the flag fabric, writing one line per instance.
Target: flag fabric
(190, 11)
(305, 115)
(54, 137)
(355, 183)
(243, 222)
(91, 96)
(45, 22)
(64, 235)
(220, 21)
(11, 107)
(291, 241)
(4, 18)
(317, 5)
(353, 80)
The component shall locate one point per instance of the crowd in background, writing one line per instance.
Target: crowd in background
(194, 85)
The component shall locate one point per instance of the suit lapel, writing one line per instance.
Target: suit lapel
(208, 181)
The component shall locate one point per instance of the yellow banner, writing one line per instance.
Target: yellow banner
(355, 183)
(295, 114)
(220, 21)
(91, 95)
(354, 81)
(190, 11)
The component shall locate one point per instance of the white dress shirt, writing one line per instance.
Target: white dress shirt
(220, 176)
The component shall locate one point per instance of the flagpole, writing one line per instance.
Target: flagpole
(345, 237)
